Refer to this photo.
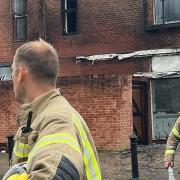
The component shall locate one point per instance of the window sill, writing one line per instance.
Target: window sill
(161, 26)
(69, 34)
(16, 40)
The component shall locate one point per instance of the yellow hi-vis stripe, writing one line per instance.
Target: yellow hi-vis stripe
(91, 165)
(175, 132)
(54, 139)
(169, 152)
(21, 150)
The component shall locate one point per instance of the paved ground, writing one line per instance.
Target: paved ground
(117, 165)
(3, 164)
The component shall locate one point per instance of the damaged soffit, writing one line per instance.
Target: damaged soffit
(157, 75)
(162, 67)
(144, 53)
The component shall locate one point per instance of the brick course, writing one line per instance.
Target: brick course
(8, 108)
(103, 101)
(103, 27)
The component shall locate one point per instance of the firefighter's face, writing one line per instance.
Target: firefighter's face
(18, 83)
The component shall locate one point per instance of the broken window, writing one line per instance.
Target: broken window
(166, 95)
(69, 16)
(5, 73)
(166, 11)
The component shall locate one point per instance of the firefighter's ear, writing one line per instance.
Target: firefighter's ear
(22, 73)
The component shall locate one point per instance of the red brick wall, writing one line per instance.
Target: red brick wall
(107, 27)
(8, 108)
(105, 104)
(7, 45)
(103, 27)
(5, 31)
(68, 67)
(32, 19)
(103, 101)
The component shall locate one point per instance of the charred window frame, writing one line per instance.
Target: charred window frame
(19, 13)
(69, 16)
(161, 14)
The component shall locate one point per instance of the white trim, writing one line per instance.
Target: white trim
(144, 53)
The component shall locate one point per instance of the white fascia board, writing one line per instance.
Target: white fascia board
(144, 53)
(166, 64)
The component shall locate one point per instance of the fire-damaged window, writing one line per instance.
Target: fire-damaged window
(69, 16)
(20, 28)
(19, 19)
(166, 95)
(166, 11)
(5, 72)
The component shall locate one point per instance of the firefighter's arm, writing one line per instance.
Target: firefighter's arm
(47, 160)
(171, 145)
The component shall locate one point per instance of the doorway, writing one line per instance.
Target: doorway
(139, 103)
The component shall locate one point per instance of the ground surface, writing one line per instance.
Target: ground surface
(117, 165)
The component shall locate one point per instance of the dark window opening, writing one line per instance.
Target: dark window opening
(69, 16)
(20, 28)
(19, 19)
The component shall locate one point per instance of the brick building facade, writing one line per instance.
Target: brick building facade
(101, 91)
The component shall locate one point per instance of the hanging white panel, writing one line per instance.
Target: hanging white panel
(166, 63)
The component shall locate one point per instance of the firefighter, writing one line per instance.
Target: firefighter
(171, 145)
(53, 141)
